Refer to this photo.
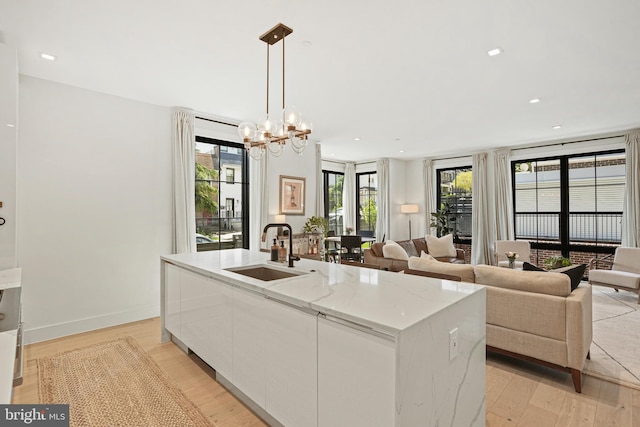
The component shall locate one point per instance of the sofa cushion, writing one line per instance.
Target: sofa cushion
(464, 271)
(393, 250)
(529, 281)
(408, 247)
(421, 245)
(622, 279)
(425, 255)
(575, 272)
(441, 246)
(376, 249)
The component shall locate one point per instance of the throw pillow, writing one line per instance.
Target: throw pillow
(393, 250)
(426, 256)
(441, 246)
(575, 272)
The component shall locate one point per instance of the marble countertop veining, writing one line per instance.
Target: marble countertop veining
(385, 301)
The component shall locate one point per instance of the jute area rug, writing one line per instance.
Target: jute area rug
(115, 384)
(616, 337)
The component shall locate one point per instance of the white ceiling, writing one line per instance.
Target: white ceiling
(411, 75)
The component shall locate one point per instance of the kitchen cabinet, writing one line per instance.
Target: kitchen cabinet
(291, 374)
(206, 318)
(249, 344)
(356, 376)
(172, 299)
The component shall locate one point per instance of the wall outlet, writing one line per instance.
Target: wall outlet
(453, 343)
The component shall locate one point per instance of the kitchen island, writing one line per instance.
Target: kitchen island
(333, 344)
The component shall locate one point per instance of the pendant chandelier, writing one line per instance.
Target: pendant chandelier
(272, 132)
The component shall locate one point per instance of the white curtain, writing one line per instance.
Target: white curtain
(504, 195)
(184, 210)
(349, 196)
(319, 183)
(383, 220)
(259, 192)
(480, 247)
(429, 193)
(631, 207)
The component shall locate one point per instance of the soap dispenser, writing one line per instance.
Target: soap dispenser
(282, 252)
(274, 251)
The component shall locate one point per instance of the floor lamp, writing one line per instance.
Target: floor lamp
(409, 209)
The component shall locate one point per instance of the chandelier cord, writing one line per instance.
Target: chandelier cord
(268, 78)
(283, 73)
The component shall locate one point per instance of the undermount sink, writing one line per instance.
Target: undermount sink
(264, 273)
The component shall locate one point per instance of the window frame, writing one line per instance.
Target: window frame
(244, 198)
(325, 184)
(456, 238)
(358, 176)
(565, 246)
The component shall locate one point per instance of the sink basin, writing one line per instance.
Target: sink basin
(264, 273)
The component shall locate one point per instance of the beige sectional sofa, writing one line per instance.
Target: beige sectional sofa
(531, 315)
(412, 247)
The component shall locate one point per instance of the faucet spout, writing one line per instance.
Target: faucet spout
(292, 257)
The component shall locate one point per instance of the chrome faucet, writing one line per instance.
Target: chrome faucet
(292, 257)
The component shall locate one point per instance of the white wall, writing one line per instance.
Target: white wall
(415, 195)
(399, 223)
(292, 164)
(8, 146)
(94, 197)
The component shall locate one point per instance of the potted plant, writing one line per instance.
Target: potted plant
(557, 262)
(316, 224)
(442, 220)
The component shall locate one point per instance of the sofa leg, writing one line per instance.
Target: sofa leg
(589, 355)
(577, 380)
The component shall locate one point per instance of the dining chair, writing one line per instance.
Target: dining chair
(351, 247)
(331, 248)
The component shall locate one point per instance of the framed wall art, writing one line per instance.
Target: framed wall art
(292, 195)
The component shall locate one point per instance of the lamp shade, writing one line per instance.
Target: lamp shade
(409, 209)
(280, 218)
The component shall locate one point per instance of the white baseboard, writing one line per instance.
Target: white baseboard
(48, 332)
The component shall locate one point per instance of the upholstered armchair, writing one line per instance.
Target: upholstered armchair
(624, 273)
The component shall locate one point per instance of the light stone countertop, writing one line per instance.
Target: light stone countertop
(385, 301)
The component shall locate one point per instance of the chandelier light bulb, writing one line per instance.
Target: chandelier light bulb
(292, 117)
(247, 131)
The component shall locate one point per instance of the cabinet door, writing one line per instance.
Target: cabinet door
(291, 364)
(172, 299)
(249, 345)
(206, 320)
(356, 377)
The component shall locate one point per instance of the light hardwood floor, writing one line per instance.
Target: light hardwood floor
(518, 393)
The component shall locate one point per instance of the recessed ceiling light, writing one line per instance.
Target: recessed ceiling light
(333, 155)
(306, 43)
(495, 51)
(534, 101)
(356, 139)
(11, 125)
(556, 127)
(47, 56)
(402, 151)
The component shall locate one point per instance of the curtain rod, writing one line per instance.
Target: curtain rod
(216, 121)
(535, 146)
(568, 142)
(345, 162)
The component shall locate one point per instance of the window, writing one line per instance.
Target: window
(570, 203)
(454, 193)
(221, 202)
(231, 174)
(333, 211)
(367, 187)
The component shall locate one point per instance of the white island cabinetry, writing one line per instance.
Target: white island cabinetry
(334, 345)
